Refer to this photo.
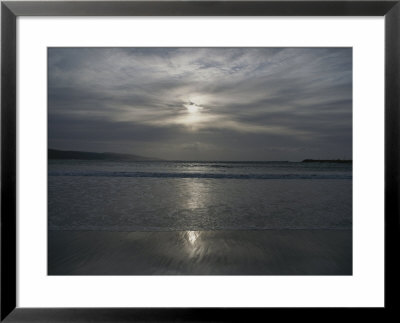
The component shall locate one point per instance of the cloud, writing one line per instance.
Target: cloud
(274, 103)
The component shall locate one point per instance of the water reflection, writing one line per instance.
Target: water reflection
(192, 236)
(197, 194)
(194, 244)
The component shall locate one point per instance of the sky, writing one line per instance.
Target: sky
(202, 103)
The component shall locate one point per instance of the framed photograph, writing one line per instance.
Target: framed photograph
(180, 160)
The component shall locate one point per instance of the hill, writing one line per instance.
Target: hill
(69, 154)
(327, 161)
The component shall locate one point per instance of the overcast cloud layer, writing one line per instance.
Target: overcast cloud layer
(202, 103)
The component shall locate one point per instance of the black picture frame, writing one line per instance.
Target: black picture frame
(10, 10)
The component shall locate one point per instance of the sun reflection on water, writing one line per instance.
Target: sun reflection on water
(194, 244)
(196, 194)
(192, 236)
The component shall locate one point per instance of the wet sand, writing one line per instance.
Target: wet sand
(266, 252)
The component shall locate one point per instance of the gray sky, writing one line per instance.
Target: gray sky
(202, 103)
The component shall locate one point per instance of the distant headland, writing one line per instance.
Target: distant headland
(347, 161)
(84, 155)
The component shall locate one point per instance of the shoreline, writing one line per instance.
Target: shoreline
(222, 252)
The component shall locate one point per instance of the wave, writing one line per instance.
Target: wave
(196, 228)
(198, 175)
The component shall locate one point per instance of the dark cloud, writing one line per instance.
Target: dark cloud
(202, 103)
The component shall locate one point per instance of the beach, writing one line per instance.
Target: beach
(223, 252)
(199, 218)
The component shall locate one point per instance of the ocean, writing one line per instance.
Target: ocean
(198, 196)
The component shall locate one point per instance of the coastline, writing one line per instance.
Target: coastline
(260, 252)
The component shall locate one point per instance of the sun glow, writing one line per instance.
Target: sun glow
(193, 108)
(193, 115)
